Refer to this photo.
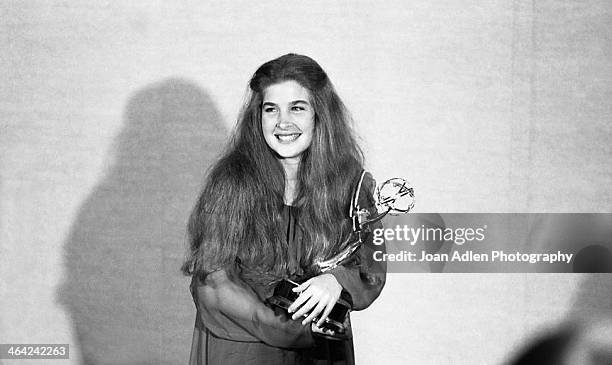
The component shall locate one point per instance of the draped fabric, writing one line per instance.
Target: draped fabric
(234, 325)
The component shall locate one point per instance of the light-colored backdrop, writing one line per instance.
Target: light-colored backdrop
(112, 111)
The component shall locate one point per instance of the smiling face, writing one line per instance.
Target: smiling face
(287, 120)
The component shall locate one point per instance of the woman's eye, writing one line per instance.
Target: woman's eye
(269, 110)
(298, 108)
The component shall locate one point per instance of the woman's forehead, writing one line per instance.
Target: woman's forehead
(287, 91)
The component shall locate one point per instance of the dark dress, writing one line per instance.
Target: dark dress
(234, 325)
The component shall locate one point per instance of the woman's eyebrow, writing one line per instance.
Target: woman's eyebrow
(270, 103)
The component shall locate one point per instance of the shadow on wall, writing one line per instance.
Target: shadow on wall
(128, 300)
(586, 336)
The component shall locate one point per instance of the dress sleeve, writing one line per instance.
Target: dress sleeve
(231, 309)
(362, 276)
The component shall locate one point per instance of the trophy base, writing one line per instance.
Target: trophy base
(284, 296)
(280, 302)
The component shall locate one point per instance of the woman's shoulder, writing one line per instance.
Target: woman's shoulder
(368, 180)
(363, 186)
(366, 187)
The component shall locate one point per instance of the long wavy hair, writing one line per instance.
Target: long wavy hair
(237, 217)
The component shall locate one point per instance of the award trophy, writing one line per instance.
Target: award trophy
(395, 196)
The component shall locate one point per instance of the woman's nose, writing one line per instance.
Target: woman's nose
(284, 119)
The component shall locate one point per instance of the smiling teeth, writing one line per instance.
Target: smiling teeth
(288, 137)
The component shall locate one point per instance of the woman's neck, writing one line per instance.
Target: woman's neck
(290, 166)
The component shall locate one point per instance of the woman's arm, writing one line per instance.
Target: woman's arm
(231, 309)
(364, 278)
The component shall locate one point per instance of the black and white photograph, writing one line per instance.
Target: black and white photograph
(309, 182)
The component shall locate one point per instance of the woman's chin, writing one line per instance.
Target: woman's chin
(290, 158)
(289, 152)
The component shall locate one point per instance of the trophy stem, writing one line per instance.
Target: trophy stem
(375, 219)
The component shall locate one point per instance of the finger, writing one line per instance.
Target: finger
(303, 286)
(301, 299)
(305, 308)
(315, 312)
(326, 313)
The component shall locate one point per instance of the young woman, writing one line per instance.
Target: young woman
(276, 203)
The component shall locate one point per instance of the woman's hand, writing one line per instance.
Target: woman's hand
(318, 295)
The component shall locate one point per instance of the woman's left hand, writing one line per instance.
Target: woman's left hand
(318, 295)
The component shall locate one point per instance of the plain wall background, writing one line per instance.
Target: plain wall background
(111, 113)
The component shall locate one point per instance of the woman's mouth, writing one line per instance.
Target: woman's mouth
(287, 138)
